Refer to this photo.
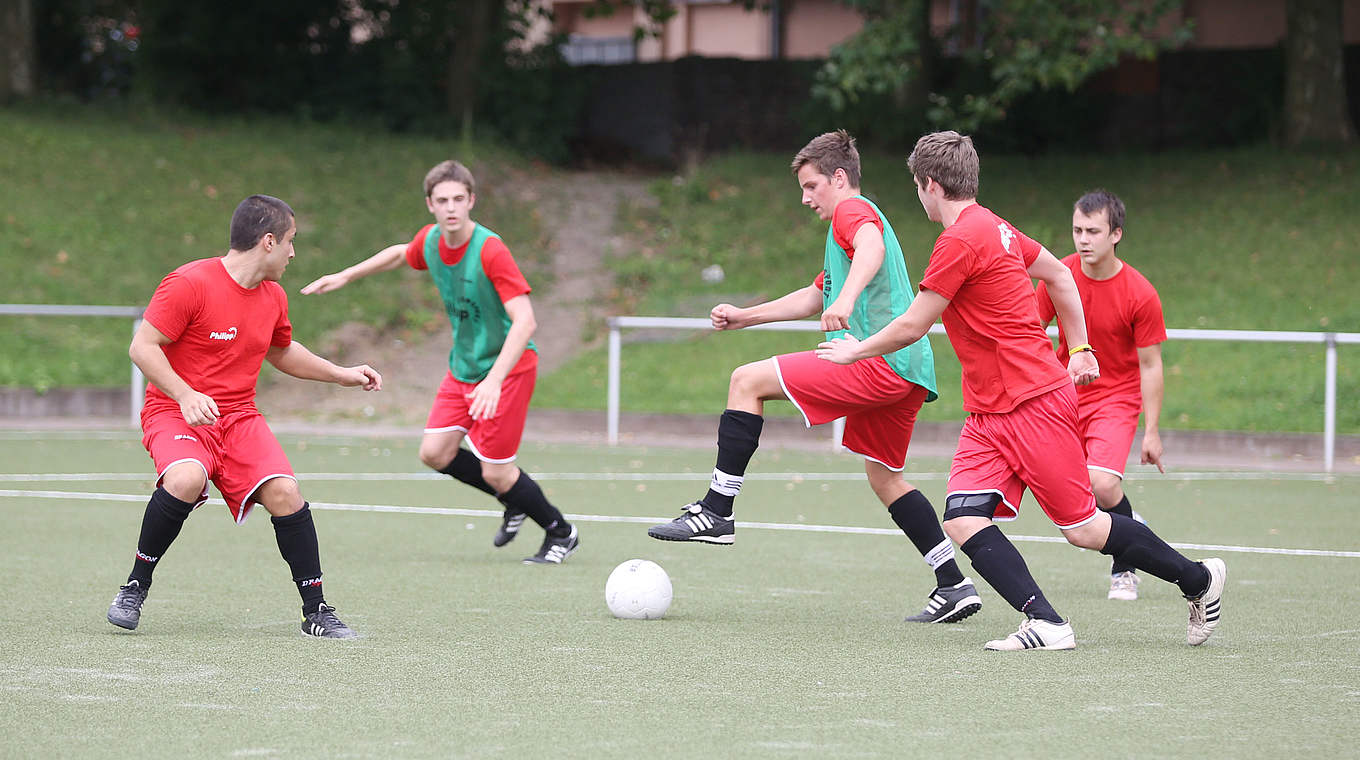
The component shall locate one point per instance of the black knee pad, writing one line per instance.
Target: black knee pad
(971, 505)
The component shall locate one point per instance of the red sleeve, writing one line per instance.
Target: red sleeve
(820, 281)
(1149, 327)
(1029, 250)
(174, 303)
(950, 265)
(849, 216)
(415, 252)
(283, 329)
(1046, 310)
(500, 268)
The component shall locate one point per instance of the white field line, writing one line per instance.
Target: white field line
(801, 527)
(779, 477)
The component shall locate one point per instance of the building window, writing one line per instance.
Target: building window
(579, 50)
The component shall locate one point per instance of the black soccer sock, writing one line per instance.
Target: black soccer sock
(296, 535)
(1126, 509)
(161, 523)
(525, 496)
(999, 563)
(1134, 544)
(465, 467)
(914, 515)
(738, 437)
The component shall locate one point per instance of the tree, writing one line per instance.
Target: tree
(1019, 46)
(18, 56)
(1315, 81)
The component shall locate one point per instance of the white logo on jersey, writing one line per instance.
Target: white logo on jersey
(228, 335)
(1006, 236)
(183, 437)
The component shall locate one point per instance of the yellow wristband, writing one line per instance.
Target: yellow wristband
(1073, 351)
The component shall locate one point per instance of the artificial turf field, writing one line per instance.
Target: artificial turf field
(788, 644)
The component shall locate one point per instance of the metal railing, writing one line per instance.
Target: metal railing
(1328, 339)
(134, 313)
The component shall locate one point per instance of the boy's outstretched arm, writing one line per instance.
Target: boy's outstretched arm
(385, 260)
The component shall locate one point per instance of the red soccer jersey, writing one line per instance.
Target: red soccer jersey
(497, 262)
(220, 331)
(979, 264)
(1123, 314)
(499, 266)
(849, 216)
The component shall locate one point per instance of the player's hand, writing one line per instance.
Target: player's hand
(362, 375)
(485, 397)
(1152, 450)
(843, 350)
(725, 316)
(198, 409)
(325, 284)
(837, 316)
(1083, 367)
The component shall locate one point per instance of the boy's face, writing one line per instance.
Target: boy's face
(820, 192)
(279, 253)
(1093, 238)
(451, 204)
(928, 201)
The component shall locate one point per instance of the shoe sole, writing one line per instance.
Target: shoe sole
(727, 540)
(537, 561)
(123, 624)
(970, 607)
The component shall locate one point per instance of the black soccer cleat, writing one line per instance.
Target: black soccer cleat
(697, 523)
(554, 550)
(126, 610)
(323, 624)
(950, 604)
(509, 528)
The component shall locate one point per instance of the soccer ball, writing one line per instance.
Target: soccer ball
(638, 590)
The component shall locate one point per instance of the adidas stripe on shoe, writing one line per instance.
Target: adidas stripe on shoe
(323, 624)
(1036, 634)
(554, 550)
(950, 604)
(697, 523)
(1205, 608)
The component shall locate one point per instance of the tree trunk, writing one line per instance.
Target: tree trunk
(1315, 83)
(17, 50)
(465, 58)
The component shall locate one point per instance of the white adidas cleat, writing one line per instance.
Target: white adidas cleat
(1124, 586)
(1036, 634)
(1204, 609)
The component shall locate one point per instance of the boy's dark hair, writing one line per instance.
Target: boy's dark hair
(449, 171)
(950, 159)
(828, 152)
(1097, 200)
(257, 215)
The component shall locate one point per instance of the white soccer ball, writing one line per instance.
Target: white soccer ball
(638, 590)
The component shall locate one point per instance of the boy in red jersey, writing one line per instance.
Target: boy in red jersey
(209, 326)
(862, 286)
(1124, 318)
(485, 394)
(1022, 428)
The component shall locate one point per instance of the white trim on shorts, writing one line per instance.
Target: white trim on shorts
(1014, 508)
(788, 395)
(246, 506)
(478, 454)
(427, 431)
(1115, 473)
(880, 461)
(1093, 516)
(203, 497)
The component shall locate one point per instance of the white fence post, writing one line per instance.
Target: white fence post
(615, 349)
(1329, 407)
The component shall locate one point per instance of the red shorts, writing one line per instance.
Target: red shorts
(1034, 445)
(1107, 429)
(238, 453)
(495, 440)
(878, 405)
